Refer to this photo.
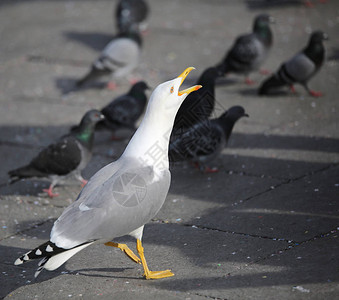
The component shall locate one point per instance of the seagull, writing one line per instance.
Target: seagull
(300, 68)
(67, 156)
(204, 141)
(131, 15)
(118, 59)
(124, 195)
(249, 51)
(125, 110)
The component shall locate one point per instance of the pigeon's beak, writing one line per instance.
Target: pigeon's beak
(245, 115)
(183, 75)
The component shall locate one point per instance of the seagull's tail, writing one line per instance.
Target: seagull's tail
(52, 256)
(270, 84)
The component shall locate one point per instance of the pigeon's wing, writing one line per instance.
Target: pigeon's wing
(244, 49)
(123, 111)
(118, 199)
(300, 68)
(60, 158)
(203, 139)
(120, 54)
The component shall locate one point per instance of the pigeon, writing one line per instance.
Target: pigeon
(68, 156)
(300, 68)
(250, 50)
(204, 141)
(118, 59)
(131, 15)
(124, 195)
(198, 106)
(124, 111)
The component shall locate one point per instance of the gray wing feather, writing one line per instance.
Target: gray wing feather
(300, 67)
(120, 56)
(118, 199)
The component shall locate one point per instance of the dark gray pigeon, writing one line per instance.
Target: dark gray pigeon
(118, 59)
(69, 155)
(204, 141)
(249, 51)
(198, 106)
(131, 15)
(124, 111)
(300, 68)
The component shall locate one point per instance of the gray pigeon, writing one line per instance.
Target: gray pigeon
(118, 59)
(68, 156)
(124, 195)
(300, 68)
(124, 111)
(131, 15)
(249, 51)
(205, 141)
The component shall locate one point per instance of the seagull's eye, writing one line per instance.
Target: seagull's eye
(172, 89)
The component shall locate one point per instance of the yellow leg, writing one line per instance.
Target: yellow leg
(124, 248)
(151, 274)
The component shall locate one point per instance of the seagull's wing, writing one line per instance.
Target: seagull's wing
(118, 199)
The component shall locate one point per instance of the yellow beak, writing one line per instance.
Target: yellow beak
(183, 75)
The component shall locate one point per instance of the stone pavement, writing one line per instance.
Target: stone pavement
(264, 227)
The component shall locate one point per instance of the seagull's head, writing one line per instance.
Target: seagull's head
(168, 96)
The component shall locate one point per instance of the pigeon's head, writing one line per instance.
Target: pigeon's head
(167, 97)
(141, 86)
(209, 75)
(92, 117)
(234, 113)
(318, 37)
(263, 21)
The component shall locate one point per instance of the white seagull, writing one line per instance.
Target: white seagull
(124, 195)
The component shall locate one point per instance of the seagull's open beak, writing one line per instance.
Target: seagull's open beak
(183, 75)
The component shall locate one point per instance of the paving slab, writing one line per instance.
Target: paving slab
(296, 211)
(192, 254)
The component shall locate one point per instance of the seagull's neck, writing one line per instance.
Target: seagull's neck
(150, 141)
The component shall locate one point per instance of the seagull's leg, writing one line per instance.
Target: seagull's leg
(124, 248)
(151, 274)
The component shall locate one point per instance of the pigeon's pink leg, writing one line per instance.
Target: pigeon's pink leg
(49, 192)
(211, 170)
(292, 89)
(83, 182)
(316, 94)
(112, 86)
(309, 4)
(249, 81)
(265, 72)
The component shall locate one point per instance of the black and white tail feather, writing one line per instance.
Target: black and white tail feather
(52, 256)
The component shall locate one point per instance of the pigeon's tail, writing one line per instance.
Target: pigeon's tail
(23, 172)
(91, 76)
(52, 256)
(271, 83)
(222, 68)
